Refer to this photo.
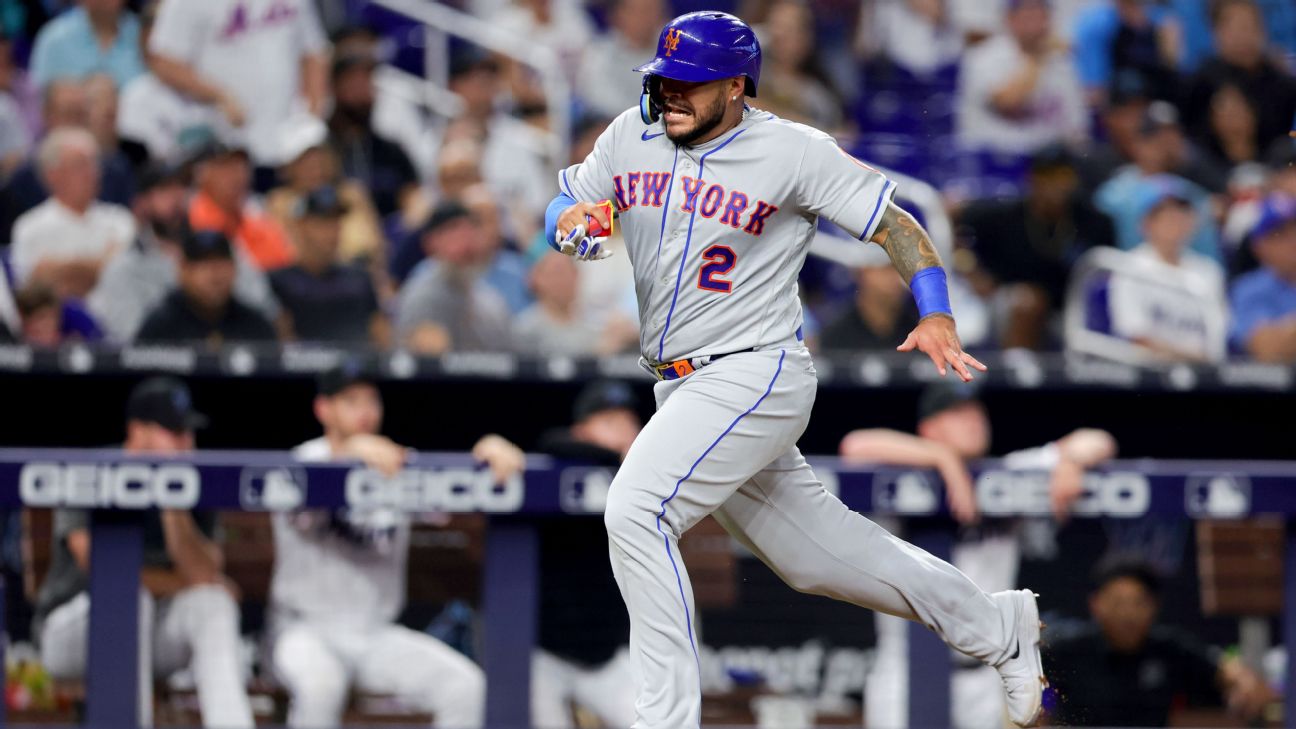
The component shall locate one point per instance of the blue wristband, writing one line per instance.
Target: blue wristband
(556, 206)
(930, 292)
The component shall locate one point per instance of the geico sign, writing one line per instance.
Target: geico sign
(450, 489)
(1121, 494)
(122, 485)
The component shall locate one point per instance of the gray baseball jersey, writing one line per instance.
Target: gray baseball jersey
(718, 233)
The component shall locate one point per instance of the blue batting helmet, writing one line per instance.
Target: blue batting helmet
(702, 46)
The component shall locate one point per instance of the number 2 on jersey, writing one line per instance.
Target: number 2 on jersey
(720, 260)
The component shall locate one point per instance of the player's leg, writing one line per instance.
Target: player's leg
(817, 545)
(712, 431)
(425, 674)
(201, 624)
(315, 677)
(551, 692)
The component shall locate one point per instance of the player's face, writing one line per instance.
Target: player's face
(1124, 610)
(692, 111)
(357, 410)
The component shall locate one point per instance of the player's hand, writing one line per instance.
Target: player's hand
(1066, 486)
(504, 459)
(378, 452)
(572, 228)
(936, 337)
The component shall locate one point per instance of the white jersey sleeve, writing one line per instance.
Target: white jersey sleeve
(1040, 458)
(832, 184)
(310, 31)
(178, 30)
(313, 451)
(591, 180)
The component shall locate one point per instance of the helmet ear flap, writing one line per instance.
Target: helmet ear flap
(650, 108)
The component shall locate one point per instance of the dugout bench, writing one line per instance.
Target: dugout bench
(117, 487)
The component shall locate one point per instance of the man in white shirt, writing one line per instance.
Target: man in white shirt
(1167, 298)
(254, 60)
(66, 240)
(339, 581)
(1019, 91)
(953, 429)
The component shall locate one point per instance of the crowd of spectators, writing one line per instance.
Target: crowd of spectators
(256, 169)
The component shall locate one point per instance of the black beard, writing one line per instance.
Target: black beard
(167, 229)
(705, 124)
(357, 115)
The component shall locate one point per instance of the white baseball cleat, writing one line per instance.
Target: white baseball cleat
(1023, 671)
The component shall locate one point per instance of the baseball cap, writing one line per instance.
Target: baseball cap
(447, 212)
(941, 396)
(300, 133)
(1158, 189)
(1052, 157)
(165, 401)
(206, 245)
(353, 59)
(1159, 115)
(340, 376)
(322, 202)
(603, 395)
(1276, 211)
(1127, 87)
(157, 174)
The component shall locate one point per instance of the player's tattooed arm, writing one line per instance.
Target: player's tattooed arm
(910, 248)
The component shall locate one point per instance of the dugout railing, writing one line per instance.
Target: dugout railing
(118, 488)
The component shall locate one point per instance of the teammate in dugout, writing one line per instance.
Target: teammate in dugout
(718, 201)
(339, 582)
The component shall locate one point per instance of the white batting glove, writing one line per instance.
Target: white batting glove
(582, 247)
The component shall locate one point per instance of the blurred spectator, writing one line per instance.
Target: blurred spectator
(794, 84)
(881, 316)
(1232, 133)
(916, 35)
(582, 659)
(153, 118)
(97, 36)
(325, 300)
(396, 115)
(202, 309)
(66, 240)
(514, 154)
(1019, 91)
(1120, 118)
(1282, 167)
(1025, 247)
(1161, 149)
(15, 139)
(1199, 43)
(10, 320)
(65, 105)
(16, 83)
(503, 268)
(1241, 61)
(606, 84)
(1264, 301)
(1122, 669)
(1164, 297)
(223, 176)
(954, 429)
(562, 26)
(255, 62)
(1127, 37)
(48, 322)
(42, 316)
(555, 324)
(311, 164)
(339, 581)
(138, 278)
(189, 619)
(445, 304)
(377, 162)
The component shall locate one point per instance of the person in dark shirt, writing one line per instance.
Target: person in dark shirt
(1124, 670)
(379, 163)
(324, 300)
(582, 656)
(881, 315)
(1241, 61)
(189, 616)
(203, 307)
(1028, 244)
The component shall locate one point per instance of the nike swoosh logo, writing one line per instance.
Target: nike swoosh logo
(646, 136)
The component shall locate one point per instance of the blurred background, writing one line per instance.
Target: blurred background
(323, 216)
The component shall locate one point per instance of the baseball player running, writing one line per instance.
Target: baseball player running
(719, 201)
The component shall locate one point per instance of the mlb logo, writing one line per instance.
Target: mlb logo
(272, 489)
(584, 490)
(905, 492)
(1217, 495)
